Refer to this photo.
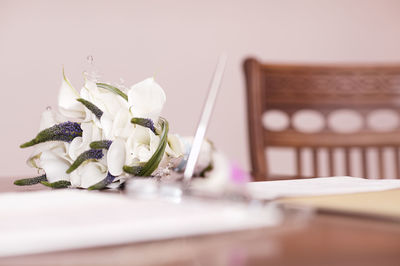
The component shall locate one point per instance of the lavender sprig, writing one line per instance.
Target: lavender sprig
(57, 184)
(66, 131)
(93, 108)
(84, 156)
(103, 183)
(100, 144)
(145, 122)
(30, 181)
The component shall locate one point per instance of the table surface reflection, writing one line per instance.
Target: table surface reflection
(324, 239)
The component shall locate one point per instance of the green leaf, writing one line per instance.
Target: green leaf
(156, 158)
(30, 181)
(57, 184)
(133, 170)
(112, 89)
(93, 108)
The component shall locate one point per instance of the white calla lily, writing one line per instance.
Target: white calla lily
(67, 103)
(108, 102)
(175, 146)
(48, 119)
(146, 99)
(54, 165)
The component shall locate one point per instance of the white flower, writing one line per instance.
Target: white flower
(141, 145)
(55, 163)
(131, 144)
(118, 126)
(48, 119)
(88, 174)
(175, 146)
(218, 178)
(90, 132)
(107, 101)
(67, 103)
(146, 99)
(205, 155)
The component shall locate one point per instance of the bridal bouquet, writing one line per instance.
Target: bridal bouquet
(102, 135)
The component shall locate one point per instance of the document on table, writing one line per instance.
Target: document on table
(43, 221)
(318, 186)
(369, 198)
(379, 204)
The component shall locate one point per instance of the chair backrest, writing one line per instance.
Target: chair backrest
(323, 88)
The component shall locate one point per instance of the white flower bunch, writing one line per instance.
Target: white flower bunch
(102, 135)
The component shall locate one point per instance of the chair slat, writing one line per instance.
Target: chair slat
(315, 162)
(324, 89)
(381, 166)
(396, 161)
(347, 161)
(364, 164)
(299, 170)
(331, 162)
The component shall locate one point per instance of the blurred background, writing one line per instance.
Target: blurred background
(178, 42)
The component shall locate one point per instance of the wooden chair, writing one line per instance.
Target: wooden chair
(290, 88)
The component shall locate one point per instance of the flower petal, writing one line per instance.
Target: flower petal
(88, 174)
(146, 99)
(47, 120)
(107, 126)
(54, 166)
(122, 127)
(175, 146)
(116, 157)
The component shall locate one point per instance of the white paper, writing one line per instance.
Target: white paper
(33, 222)
(318, 186)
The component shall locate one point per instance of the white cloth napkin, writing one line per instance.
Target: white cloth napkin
(34, 222)
(318, 186)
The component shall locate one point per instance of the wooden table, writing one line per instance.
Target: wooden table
(323, 239)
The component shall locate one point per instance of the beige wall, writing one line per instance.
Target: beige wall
(179, 41)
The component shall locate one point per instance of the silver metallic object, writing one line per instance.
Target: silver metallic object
(205, 118)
